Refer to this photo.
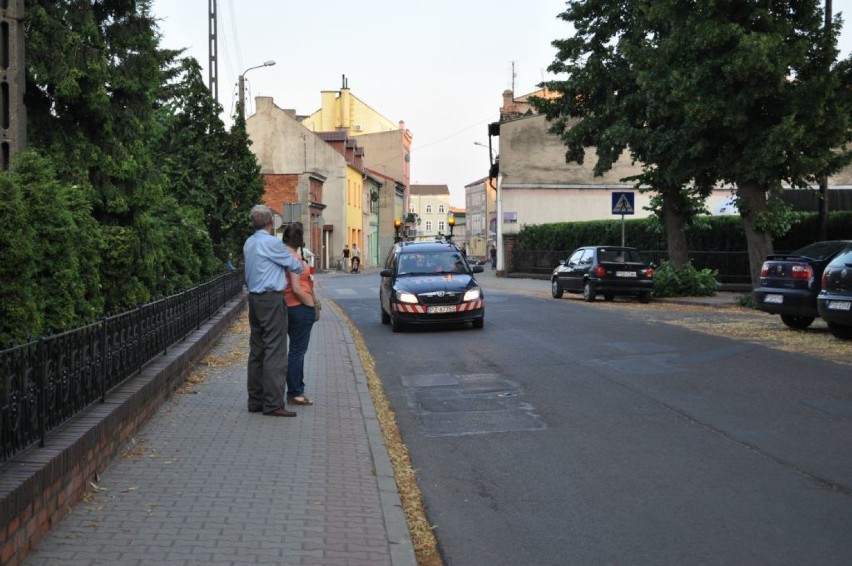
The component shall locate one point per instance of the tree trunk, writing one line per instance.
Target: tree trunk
(752, 205)
(673, 205)
(822, 224)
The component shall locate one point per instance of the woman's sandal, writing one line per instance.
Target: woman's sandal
(300, 400)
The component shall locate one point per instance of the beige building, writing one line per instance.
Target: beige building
(539, 187)
(481, 215)
(283, 146)
(430, 207)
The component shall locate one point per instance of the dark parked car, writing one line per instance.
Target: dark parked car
(834, 302)
(429, 282)
(604, 270)
(790, 283)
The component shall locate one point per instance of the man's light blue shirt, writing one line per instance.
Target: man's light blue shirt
(266, 259)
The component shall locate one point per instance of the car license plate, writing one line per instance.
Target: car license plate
(440, 309)
(625, 274)
(777, 299)
(839, 305)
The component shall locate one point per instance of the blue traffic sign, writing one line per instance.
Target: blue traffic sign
(622, 202)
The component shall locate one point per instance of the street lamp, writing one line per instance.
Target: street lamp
(490, 150)
(397, 224)
(242, 84)
(451, 221)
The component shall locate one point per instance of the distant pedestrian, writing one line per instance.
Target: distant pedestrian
(493, 253)
(345, 258)
(267, 265)
(356, 259)
(301, 315)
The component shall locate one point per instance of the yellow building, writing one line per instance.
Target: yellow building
(341, 110)
(354, 210)
(386, 151)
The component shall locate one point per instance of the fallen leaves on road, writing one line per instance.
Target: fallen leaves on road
(749, 325)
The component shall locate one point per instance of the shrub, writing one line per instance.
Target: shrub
(684, 282)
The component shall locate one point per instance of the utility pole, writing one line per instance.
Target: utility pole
(213, 66)
(13, 113)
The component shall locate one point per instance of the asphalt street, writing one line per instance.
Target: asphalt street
(575, 433)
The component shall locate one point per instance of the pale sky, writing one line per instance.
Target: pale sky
(441, 66)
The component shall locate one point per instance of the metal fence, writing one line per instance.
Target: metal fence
(732, 267)
(49, 380)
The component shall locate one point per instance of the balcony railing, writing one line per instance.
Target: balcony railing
(47, 381)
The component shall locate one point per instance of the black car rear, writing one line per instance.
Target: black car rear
(604, 270)
(834, 302)
(790, 283)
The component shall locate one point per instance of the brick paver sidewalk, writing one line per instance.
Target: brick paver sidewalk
(207, 482)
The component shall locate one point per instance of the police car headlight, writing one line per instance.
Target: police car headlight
(405, 297)
(472, 295)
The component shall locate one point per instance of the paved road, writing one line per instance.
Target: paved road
(569, 433)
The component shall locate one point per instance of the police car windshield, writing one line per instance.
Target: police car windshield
(430, 263)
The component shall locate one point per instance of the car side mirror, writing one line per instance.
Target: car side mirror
(562, 262)
(386, 273)
(477, 268)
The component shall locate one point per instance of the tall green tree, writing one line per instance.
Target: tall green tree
(701, 92)
(66, 247)
(242, 174)
(49, 263)
(19, 314)
(94, 71)
(208, 167)
(604, 104)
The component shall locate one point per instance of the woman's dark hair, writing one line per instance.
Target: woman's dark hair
(294, 235)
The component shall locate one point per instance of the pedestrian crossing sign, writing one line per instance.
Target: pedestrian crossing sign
(622, 202)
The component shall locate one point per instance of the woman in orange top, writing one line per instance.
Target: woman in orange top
(301, 314)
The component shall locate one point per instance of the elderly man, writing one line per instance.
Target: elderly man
(267, 263)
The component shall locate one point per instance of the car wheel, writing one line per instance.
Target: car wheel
(608, 296)
(396, 324)
(556, 289)
(840, 331)
(385, 316)
(797, 322)
(478, 323)
(589, 292)
(645, 297)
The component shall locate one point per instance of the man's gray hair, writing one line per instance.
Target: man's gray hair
(260, 216)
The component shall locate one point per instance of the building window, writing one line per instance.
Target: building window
(428, 209)
(440, 209)
(428, 225)
(441, 226)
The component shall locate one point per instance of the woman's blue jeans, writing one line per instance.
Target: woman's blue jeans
(300, 320)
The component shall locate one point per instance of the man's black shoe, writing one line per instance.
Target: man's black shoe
(282, 412)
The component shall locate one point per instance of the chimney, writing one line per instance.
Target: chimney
(263, 104)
